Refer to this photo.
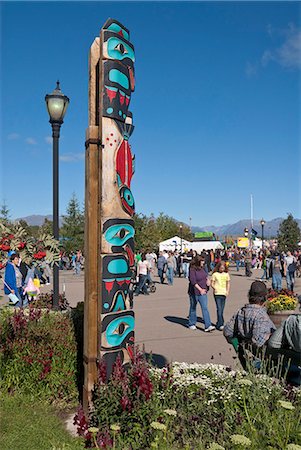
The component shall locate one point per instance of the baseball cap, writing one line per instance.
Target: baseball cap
(258, 288)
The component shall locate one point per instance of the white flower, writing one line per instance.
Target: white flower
(215, 446)
(293, 447)
(244, 382)
(93, 430)
(158, 426)
(239, 439)
(170, 412)
(286, 405)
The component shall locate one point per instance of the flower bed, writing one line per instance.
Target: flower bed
(190, 406)
(38, 355)
(283, 300)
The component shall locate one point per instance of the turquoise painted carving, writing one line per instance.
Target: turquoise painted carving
(118, 329)
(118, 266)
(120, 78)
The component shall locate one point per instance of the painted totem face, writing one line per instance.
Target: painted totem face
(117, 330)
(116, 279)
(119, 233)
(118, 71)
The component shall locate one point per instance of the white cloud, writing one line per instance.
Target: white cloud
(30, 141)
(72, 157)
(13, 136)
(288, 54)
(48, 140)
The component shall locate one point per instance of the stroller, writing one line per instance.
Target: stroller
(150, 285)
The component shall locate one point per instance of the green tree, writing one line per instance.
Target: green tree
(4, 214)
(289, 234)
(72, 230)
(147, 235)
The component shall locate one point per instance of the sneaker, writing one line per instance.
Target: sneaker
(211, 328)
(47, 284)
(221, 328)
(192, 327)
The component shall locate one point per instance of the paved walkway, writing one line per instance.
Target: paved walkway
(161, 318)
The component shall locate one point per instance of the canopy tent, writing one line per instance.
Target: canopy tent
(174, 243)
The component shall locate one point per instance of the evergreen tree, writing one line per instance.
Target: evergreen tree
(289, 234)
(72, 230)
(4, 214)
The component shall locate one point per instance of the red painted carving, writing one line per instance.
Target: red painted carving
(111, 94)
(124, 164)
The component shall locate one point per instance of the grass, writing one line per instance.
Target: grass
(26, 424)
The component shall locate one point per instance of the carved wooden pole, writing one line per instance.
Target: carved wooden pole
(109, 231)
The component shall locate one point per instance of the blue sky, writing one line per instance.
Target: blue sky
(216, 107)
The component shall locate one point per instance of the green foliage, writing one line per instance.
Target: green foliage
(150, 231)
(38, 355)
(73, 226)
(191, 406)
(15, 237)
(289, 234)
(26, 423)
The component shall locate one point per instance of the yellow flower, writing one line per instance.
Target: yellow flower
(115, 427)
(215, 446)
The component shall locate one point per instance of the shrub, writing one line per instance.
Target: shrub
(190, 406)
(283, 300)
(38, 355)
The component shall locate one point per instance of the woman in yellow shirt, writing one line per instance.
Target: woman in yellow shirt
(220, 282)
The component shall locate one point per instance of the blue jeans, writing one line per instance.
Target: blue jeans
(185, 268)
(141, 286)
(237, 262)
(203, 301)
(161, 275)
(290, 280)
(170, 272)
(277, 281)
(220, 301)
(265, 274)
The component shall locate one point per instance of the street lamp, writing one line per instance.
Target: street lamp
(57, 104)
(262, 223)
(181, 236)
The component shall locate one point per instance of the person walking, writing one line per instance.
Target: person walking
(171, 267)
(198, 287)
(13, 280)
(237, 259)
(276, 277)
(161, 264)
(290, 267)
(220, 282)
(142, 270)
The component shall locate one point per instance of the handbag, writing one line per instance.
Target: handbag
(13, 298)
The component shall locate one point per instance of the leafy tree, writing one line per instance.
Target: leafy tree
(72, 230)
(289, 234)
(4, 214)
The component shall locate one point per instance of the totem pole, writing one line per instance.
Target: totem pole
(109, 233)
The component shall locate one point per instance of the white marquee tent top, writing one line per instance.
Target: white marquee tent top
(174, 243)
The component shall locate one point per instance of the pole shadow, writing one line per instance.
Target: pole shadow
(156, 360)
(181, 320)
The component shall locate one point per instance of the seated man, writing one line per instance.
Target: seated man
(284, 347)
(250, 328)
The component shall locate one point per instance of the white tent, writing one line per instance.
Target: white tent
(174, 243)
(199, 246)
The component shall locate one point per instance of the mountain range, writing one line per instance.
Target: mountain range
(235, 229)
(271, 228)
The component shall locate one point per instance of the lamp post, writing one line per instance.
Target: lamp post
(262, 223)
(57, 104)
(181, 236)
